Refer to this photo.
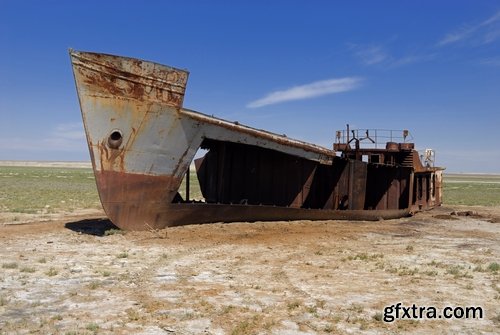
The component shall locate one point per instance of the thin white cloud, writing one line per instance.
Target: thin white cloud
(315, 89)
(379, 55)
(455, 36)
(484, 32)
(495, 62)
(492, 19)
(412, 59)
(491, 36)
(372, 55)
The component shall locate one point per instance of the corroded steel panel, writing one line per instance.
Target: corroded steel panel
(129, 78)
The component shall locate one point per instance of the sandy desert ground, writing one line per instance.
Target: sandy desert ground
(79, 275)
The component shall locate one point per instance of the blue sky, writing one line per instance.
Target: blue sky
(304, 68)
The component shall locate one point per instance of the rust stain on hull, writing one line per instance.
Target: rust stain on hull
(142, 141)
(135, 201)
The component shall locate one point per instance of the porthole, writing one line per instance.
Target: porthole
(115, 139)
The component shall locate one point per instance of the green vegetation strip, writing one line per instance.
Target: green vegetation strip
(49, 189)
(471, 190)
(46, 190)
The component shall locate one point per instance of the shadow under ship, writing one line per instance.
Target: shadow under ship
(142, 143)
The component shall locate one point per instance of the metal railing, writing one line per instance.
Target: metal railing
(372, 138)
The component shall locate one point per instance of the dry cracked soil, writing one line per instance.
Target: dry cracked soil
(80, 275)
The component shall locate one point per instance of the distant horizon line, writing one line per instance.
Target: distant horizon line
(88, 164)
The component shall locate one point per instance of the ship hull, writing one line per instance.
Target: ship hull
(142, 142)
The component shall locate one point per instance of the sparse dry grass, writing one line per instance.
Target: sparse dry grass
(52, 272)
(471, 190)
(122, 255)
(39, 190)
(11, 265)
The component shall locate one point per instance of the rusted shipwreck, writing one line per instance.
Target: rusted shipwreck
(142, 142)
